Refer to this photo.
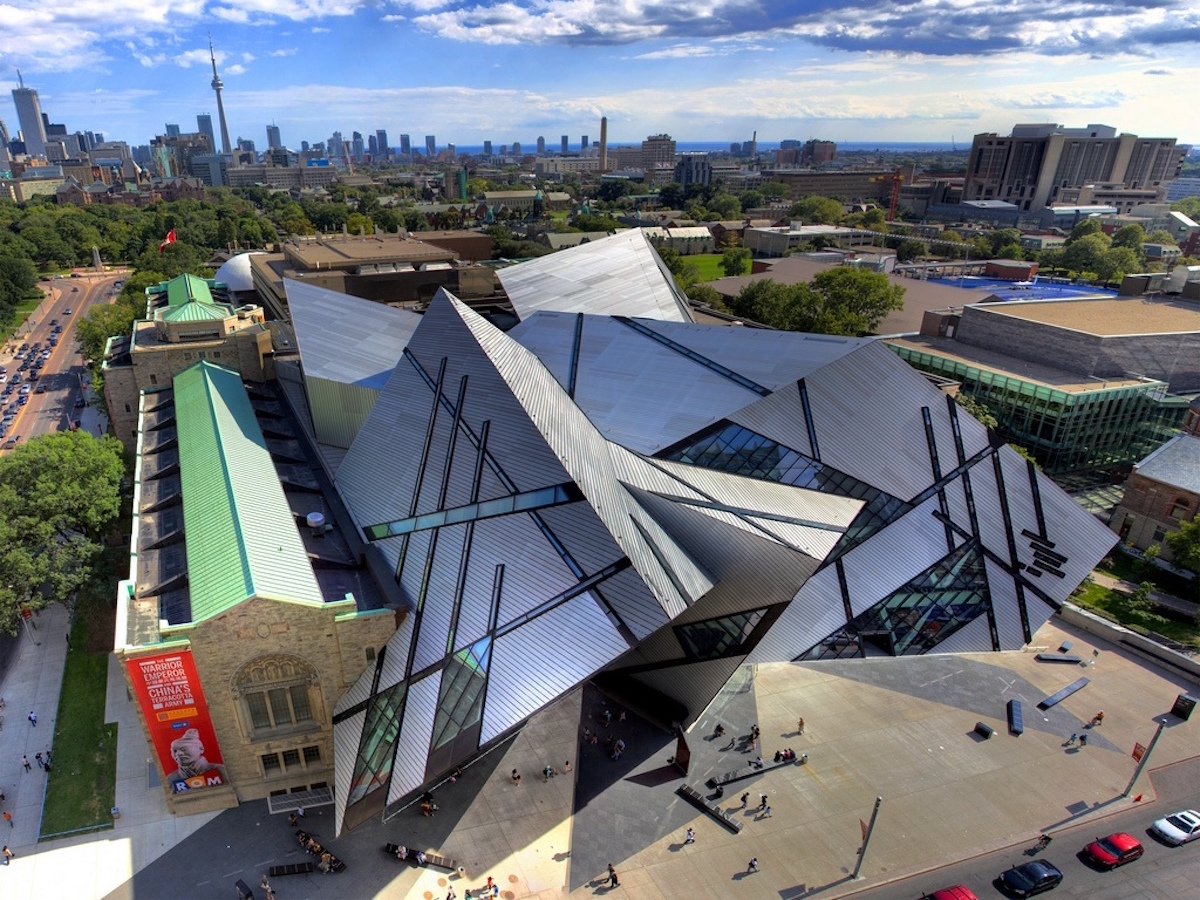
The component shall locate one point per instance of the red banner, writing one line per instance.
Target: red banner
(173, 704)
(1138, 751)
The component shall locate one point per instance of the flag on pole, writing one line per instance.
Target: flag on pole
(863, 826)
(169, 239)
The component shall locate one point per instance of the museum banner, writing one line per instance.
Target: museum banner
(172, 700)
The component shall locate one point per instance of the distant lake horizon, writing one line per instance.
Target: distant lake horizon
(723, 147)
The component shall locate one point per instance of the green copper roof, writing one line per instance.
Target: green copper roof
(241, 537)
(186, 288)
(195, 311)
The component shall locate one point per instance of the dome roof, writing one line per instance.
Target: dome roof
(236, 272)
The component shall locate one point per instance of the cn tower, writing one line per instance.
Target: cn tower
(216, 86)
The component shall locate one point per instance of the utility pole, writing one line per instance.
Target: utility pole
(866, 838)
(1145, 757)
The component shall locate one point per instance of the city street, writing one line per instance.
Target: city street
(64, 377)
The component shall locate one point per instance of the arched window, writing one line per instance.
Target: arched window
(278, 693)
(1179, 508)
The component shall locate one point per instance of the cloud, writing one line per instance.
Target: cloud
(1050, 100)
(1158, 72)
(921, 27)
(237, 69)
(287, 51)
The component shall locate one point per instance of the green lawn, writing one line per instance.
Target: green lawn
(709, 265)
(1127, 568)
(1114, 605)
(24, 309)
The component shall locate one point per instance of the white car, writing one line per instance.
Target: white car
(1178, 828)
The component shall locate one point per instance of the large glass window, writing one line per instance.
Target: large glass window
(460, 700)
(373, 764)
(915, 618)
(277, 693)
(731, 448)
(715, 638)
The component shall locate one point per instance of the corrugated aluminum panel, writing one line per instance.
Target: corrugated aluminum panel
(439, 597)
(462, 473)
(538, 662)
(358, 692)
(412, 747)
(378, 474)
(1083, 540)
(988, 508)
(815, 612)
(338, 410)
(580, 530)
(956, 500)
(812, 542)
(630, 599)
(780, 417)
(396, 659)
(619, 275)
(431, 481)
(894, 556)
(886, 448)
(550, 336)
(693, 685)
(533, 570)
(346, 737)
(347, 339)
(974, 637)
(414, 564)
(773, 359)
(1008, 614)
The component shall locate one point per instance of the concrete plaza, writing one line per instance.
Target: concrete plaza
(900, 729)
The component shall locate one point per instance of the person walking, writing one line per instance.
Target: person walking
(9, 819)
(515, 777)
(766, 813)
(1073, 739)
(745, 799)
(38, 757)
(690, 838)
(1083, 740)
(800, 725)
(762, 804)
(1098, 718)
(33, 718)
(25, 763)
(752, 867)
(8, 854)
(612, 877)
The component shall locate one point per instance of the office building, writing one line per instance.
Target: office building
(273, 140)
(172, 130)
(487, 148)
(29, 114)
(541, 145)
(564, 144)
(204, 126)
(381, 143)
(1038, 166)
(430, 146)
(583, 143)
(405, 145)
(658, 150)
(356, 146)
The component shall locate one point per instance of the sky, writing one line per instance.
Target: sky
(704, 70)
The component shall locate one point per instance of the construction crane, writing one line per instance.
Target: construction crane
(897, 180)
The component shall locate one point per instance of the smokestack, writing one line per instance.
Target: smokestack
(603, 144)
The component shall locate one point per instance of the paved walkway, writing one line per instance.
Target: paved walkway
(900, 729)
(1170, 601)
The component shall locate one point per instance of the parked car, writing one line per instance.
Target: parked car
(1114, 850)
(1178, 828)
(957, 892)
(1031, 878)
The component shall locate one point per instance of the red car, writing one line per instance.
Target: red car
(1114, 850)
(957, 892)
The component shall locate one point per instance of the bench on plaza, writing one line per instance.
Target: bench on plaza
(748, 771)
(290, 869)
(1059, 696)
(1016, 717)
(1058, 658)
(431, 859)
(697, 799)
(1065, 646)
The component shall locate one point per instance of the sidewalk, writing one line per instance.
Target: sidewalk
(93, 864)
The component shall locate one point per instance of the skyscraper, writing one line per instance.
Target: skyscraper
(217, 85)
(583, 143)
(566, 142)
(405, 144)
(381, 142)
(487, 148)
(4, 136)
(356, 146)
(29, 114)
(541, 145)
(273, 140)
(172, 130)
(204, 126)
(430, 146)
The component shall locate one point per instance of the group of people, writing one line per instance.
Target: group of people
(327, 862)
(785, 755)
(417, 856)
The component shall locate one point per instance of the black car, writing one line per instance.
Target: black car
(80, 402)
(1031, 878)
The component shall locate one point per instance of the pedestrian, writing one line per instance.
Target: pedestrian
(612, 876)
(800, 725)
(515, 777)
(607, 718)
(8, 854)
(267, 889)
(567, 766)
(690, 838)
(620, 717)
(1098, 718)
(450, 895)
(1071, 741)
(745, 799)
(1083, 740)
(753, 865)
(762, 804)
(33, 718)
(49, 759)
(9, 819)
(38, 756)
(547, 773)
(25, 763)
(766, 813)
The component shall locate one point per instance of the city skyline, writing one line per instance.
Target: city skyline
(523, 69)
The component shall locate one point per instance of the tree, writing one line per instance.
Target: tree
(706, 296)
(613, 190)
(1083, 229)
(1115, 263)
(1083, 254)
(843, 300)
(735, 261)
(817, 211)
(670, 196)
(1189, 206)
(976, 408)
(1131, 236)
(1160, 236)
(1185, 545)
(59, 495)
